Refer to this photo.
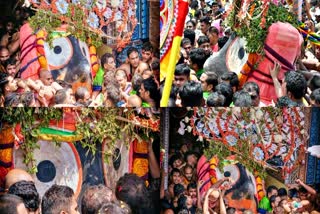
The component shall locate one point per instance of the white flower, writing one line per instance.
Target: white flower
(118, 16)
(108, 13)
(89, 3)
(186, 119)
(101, 4)
(75, 1)
(62, 6)
(206, 132)
(272, 148)
(181, 131)
(232, 140)
(189, 129)
(93, 20)
(258, 154)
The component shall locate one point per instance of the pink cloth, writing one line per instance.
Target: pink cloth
(216, 23)
(286, 40)
(27, 40)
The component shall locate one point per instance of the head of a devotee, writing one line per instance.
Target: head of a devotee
(94, 197)
(46, 77)
(12, 204)
(16, 175)
(133, 57)
(205, 23)
(4, 54)
(108, 62)
(181, 75)
(59, 200)
(188, 172)
(29, 194)
(147, 52)
(272, 190)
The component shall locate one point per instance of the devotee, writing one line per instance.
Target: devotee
(10, 67)
(149, 93)
(147, 53)
(59, 199)
(108, 62)
(209, 80)
(15, 175)
(134, 65)
(181, 75)
(29, 194)
(204, 43)
(12, 204)
(4, 56)
(94, 197)
(197, 59)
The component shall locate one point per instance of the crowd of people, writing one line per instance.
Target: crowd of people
(132, 194)
(133, 83)
(205, 34)
(183, 192)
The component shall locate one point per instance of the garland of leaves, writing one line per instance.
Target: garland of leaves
(31, 120)
(93, 124)
(253, 25)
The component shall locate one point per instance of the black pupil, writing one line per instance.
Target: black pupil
(57, 49)
(241, 53)
(46, 171)
(227, 174)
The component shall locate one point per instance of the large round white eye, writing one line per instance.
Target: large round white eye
(231, 171)
(60, 54)
(55, 164)
(85, 50)
(236, 55)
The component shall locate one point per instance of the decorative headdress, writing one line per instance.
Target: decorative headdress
(88, 19)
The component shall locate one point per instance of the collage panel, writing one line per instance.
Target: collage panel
(240, 160)
(79, 160)
(79, 53)
(220, 53)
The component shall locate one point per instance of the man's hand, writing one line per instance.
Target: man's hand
(275, 71)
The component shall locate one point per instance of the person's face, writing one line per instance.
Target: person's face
(273, 192)
(177, 163)
(212, 201)
(180, 80)
(203, 79)
(70, 96)
(213, 37)
(111, 63)
(134, 59)
(303, 195)
(188, 173)
(189, 201)
(9, 27)
(204, 27)
(21, 209)
(146, 56)
(11, 70)
(206, 48)
(276, 203)
(4, 55)
(74, 207)
(12, 84)
(143, 92)
(215, 8)
(190, 26)
(192, 160)
(192, 193)
(122, 82)
(47, 78)
(187, 47)
(176, 178)
(255, 99)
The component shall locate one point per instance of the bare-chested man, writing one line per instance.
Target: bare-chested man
(134, 65)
